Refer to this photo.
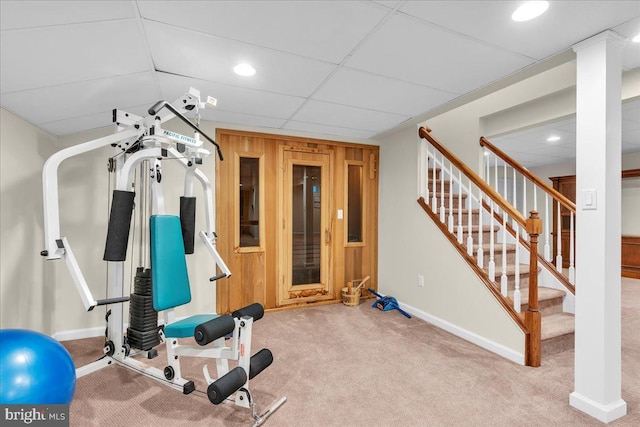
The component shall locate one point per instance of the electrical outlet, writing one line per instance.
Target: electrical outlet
(421, 280)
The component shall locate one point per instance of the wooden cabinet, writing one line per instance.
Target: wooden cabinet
(566, 185)
(631, 256)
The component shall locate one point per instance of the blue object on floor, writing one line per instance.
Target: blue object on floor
(387, 303)
(34, 369)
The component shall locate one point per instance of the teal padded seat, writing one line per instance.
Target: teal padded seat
(169, 276)
(185, 328)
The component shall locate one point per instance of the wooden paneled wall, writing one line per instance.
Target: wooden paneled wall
(255, 271)
(631, 256)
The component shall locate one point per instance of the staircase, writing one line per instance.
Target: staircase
(483, 227)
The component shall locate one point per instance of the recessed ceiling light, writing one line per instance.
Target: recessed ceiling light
(553, 138)
(244, 69)
(636, 39)
(529, 10)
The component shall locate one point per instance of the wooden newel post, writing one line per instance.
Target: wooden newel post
(532, 318)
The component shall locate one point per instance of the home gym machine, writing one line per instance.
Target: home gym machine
(140, 146)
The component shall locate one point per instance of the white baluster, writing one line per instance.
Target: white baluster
(450, 197)
(516, 292)
(559, 242)
(481, 211)
(424, 175)
(469, 222)
(460, 232)
(524, 203)
(515, 201)
(495, 180)
(535, 197)
(492, 264)
(547, 228)
(504, 179)
(503, 278)
(572, 270)
(434, 200)
(487, 175)
(442, 191)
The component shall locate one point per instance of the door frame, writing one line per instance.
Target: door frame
(311, 292)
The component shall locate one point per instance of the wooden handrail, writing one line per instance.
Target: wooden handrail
(517, 166)
(425, 133)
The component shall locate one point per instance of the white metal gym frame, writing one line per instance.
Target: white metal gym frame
(140, 144)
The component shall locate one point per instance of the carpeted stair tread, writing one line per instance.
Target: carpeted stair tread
(464, 211)
(544, 294)
(511, 269)
(486, 247)
(475, 228)
(453, 195)
(557, 325)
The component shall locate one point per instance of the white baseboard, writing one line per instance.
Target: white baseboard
(604, 413)
(77, 334)
(478, 340)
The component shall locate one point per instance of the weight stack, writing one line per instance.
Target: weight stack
(142, 332)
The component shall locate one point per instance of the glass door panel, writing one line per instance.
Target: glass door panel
(306, 233)
(306, 221)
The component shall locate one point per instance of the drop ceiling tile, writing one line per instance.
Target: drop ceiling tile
(631, 111)
(630, 50)
(408, 49)
(28, 14)
(365, 90)
(241, 119)
(390, 4)
(325, 30)
(568, 21)
(81, 99)
(57, 55)
(232, 98)
(212, 58)
(328, 130)
(91, 121)
(631, 137)
(568, 125)
(326, 113)
(630, 148)
(530, 160)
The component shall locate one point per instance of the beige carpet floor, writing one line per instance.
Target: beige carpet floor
(357, 366)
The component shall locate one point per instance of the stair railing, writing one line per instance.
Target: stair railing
(563, 208)
(442, 174)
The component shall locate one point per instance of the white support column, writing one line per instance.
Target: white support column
(598, 367)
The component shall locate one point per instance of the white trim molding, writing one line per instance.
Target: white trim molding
(472, 337)
(604, 413)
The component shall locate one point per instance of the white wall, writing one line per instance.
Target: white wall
(25, 297)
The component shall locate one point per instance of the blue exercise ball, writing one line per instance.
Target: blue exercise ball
(34, 369)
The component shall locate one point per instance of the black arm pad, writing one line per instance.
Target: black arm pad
(255, 310)
(214, 329)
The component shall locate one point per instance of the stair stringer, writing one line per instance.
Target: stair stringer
(478, 303)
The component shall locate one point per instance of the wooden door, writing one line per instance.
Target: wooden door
(306, 233)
